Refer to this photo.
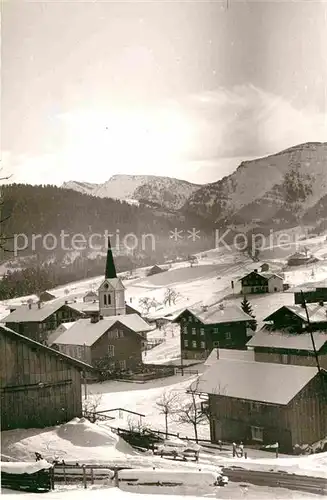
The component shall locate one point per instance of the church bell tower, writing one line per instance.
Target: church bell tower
(111, 291)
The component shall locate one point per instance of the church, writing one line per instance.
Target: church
(111, 338)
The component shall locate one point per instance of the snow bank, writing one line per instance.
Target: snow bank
(194, 477)
(24, 467)
(81, 432)
(79, 441)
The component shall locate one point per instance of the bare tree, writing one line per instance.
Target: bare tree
(167, 405)
(171, 296)
(145, 303)
(91, 406)
(193, 412)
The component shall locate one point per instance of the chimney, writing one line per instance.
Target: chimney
(100, 317)
(255, 270)
(29, 306)
(204, 308)
(321, 303)
(39, 305)
(66, 302)
(94, 318)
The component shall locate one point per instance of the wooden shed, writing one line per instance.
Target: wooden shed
(39, 386)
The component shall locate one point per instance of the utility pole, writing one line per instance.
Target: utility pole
(311, 332)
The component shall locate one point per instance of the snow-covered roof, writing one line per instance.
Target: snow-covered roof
(216, 354)
(316, 312)
(214, 315)
(32, 312)
(84, 331)
(255, 381)
(64, 326)
(36, 345)
(268, 276)
(282, 340)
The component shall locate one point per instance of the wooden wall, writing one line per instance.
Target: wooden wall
(37, 388)
(276, 356)
(127, 348)
(307, 413)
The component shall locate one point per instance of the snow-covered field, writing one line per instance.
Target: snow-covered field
(208, 282)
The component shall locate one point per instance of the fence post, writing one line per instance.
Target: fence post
(92, 476)
(116, 478)
(84, 476)
(64, 470)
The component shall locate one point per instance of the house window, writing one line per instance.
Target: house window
(185, 343)
(193, 331)
(201, 331)
(194, 343)
(111, 351)
(215, 344)
(203, 345)
(228, 336)
(122, 364)
(185, 330)
(257, 433)
(215, 330)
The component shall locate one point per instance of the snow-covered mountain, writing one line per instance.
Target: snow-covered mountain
(270, 189)
(163, 191)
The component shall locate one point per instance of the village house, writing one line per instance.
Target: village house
(286, 338)
(37, 321)
(46, 296)
(39, 386)
(118, 340)
(264, 403)
(110, 337)
(208, 327)
(273, 346)
(310, 295)
(293, 319)
(90, 296)
(255, 282)
(155, 270)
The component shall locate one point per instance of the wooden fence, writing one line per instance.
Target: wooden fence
(42, 480)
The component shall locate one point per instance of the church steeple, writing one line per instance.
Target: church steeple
(110, 265)
(112, 290)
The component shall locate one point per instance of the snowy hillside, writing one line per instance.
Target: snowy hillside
(250, 194)
(164, 191)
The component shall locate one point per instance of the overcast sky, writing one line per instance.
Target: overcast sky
(184, 88)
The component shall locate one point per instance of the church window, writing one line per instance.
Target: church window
(105, 299)
(109, 299)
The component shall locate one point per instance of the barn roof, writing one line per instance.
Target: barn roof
(214, 315)
(254, 381)
(86, 332)
(23, 314)
(216, 354)
(64, 326)
(279, 339)
(32, 343)
(317, 313)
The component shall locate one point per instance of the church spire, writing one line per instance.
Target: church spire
(110, 265)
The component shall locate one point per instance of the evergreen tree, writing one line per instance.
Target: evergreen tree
(247, 308)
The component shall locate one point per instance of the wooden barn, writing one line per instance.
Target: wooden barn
(39, 386)
(264, 403)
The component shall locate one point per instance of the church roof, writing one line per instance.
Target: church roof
(110, 265)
